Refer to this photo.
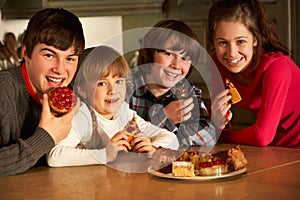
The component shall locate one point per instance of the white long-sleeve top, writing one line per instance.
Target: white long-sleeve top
(81, 147)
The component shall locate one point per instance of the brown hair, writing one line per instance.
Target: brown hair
(252, 14)
(157, 37)
(100, 62)
(54, 27)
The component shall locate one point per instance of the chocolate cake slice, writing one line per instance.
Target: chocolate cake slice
(234, 157)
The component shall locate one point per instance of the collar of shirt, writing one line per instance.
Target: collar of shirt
(28, 84)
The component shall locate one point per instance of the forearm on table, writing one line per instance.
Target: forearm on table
(165, 139)
(61, 156)
(24, 154)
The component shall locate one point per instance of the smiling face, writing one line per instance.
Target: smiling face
(234, 45)
(109, 95)
(50, 67)
(169, 67)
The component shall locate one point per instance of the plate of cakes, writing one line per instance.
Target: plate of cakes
(194, 165)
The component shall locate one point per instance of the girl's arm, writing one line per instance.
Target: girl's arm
(70, 151)
(275, 83)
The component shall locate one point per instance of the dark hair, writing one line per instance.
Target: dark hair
(252, 14)
(54, 27)
(156, 38)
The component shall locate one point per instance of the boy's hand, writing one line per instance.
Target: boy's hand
(179, 110)
(57, 127)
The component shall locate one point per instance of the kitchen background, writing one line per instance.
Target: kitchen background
(106, 20)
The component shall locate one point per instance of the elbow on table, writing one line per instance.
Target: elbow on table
(261, 137)
(253, 142)
(262, 142)
(53, 159)
(52, 164)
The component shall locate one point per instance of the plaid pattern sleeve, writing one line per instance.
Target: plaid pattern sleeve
(195, 131)
(147, 107)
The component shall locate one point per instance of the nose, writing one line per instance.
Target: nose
(59, 67)
(111, 89)
(232, 50)
(176, 61)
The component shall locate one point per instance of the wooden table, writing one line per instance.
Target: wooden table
(273, 173)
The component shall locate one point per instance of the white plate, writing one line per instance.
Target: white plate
(198, 178)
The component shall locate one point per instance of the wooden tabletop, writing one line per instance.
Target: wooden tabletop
(272, 173)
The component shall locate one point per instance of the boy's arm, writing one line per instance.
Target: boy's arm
(24, 154)
(197, 130)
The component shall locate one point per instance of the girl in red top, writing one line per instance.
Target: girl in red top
(247, 51)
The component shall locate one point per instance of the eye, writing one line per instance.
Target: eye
(101, 84)
(72, 59)
(222, 43)
(48, 55)
(168, 53)
(120, 81)
(241, 41)
(186, 58)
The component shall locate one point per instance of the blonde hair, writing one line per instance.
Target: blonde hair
(100, 62)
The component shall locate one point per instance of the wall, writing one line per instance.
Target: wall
(131, 22)
(96, 29)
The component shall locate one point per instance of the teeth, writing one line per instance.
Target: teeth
(55, 80)
(235, 61)
(171, 74)
(111, 100)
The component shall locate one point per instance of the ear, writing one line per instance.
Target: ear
(24, 53)
(255, 41)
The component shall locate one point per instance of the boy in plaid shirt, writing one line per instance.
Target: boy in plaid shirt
(161, 93)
